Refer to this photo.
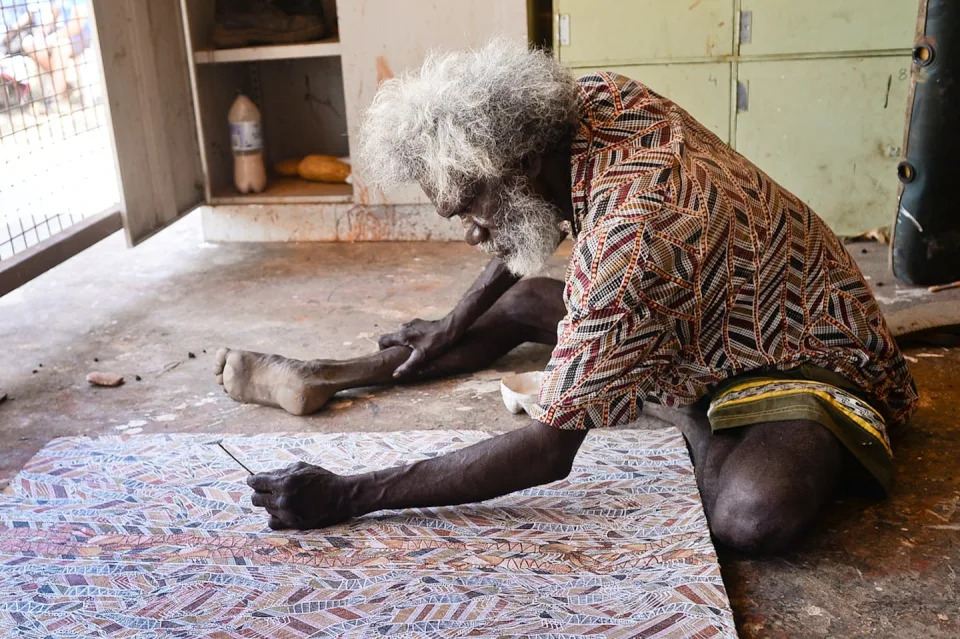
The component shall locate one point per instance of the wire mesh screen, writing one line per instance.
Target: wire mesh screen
(56, 160)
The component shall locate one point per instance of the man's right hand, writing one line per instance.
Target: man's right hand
(426, 339)
(303, 496)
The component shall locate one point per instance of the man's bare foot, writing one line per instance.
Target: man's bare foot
(297, 387)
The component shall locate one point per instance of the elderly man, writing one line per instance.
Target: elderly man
(695, 281)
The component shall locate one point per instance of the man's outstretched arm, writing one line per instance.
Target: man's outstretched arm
(427, 339)
(306, 496)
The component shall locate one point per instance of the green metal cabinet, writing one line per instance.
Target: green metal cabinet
(829, 130)
(702, 89)
(826, 26)
(602, 32)
(822, 84)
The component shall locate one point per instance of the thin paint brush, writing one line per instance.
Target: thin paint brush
(233, 457)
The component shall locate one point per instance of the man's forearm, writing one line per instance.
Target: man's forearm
(503, 464)
(494, 281)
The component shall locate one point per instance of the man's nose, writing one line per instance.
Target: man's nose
(474, 234)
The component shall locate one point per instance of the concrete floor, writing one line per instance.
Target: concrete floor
(881, 568)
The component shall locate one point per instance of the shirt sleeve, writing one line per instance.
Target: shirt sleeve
(613, 339)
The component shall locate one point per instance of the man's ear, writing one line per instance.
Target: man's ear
(532, 165)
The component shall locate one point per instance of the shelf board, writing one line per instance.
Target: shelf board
(285, 190)
(318, 49)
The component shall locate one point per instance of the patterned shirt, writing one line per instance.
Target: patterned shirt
(691, 266)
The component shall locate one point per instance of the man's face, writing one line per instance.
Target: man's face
(507, 218)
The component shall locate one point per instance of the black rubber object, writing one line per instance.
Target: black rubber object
(926, 236)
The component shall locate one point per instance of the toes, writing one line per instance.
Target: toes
(232, 376)
(221, 359)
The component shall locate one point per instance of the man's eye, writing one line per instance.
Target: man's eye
(468, 193)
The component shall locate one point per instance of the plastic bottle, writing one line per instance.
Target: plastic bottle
(246, 140)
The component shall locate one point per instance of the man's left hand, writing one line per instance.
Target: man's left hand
(425, 338)
(302, 496)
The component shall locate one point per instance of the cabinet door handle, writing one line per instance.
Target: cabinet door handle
(746, 27)
(563, 29)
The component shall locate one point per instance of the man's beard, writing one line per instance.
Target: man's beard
(530, 232)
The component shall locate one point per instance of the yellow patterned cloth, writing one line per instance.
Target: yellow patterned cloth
(857, 424)
(691, 267)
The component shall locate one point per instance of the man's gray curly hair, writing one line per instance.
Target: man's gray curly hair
(466, 116)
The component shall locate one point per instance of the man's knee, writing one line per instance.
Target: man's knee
(772, 486)
(533, 291)
(759, 521)
(536, 302)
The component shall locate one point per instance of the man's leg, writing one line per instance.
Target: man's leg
(762, 485)
(528, 312)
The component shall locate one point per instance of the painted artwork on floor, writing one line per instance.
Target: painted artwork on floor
(154, 536)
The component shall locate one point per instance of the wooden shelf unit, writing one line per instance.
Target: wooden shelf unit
(311, 97)
(298, 88)
(170, 88)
